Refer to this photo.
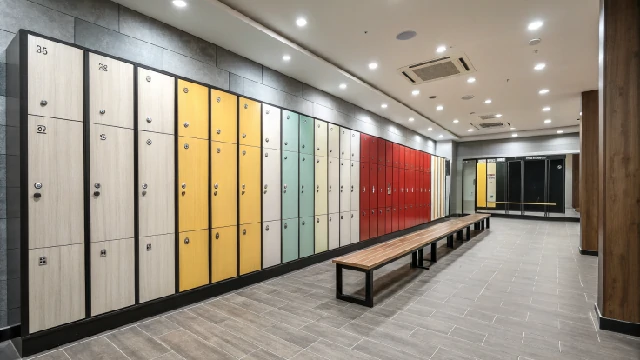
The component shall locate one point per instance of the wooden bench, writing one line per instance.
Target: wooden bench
(375, 257)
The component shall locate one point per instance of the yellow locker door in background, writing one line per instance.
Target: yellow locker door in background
(193, 247)
(249, 184)
(250, 248)
(193, 110)
(224, 117)
(249, 122)
(481, 181)
(224, 184)
(193, 184)
(224, 253)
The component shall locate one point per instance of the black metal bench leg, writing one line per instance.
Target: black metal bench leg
(488, 223)
(368, 291)
(476, 227)
(468, 233)
(450, 241)
(338, 280)
(368, 286)
(459, 235)
(414, 259)
(420, 260)
(434, 252)
(482, 225)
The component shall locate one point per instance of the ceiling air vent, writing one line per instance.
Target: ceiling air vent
(488, 117)
(436, 69)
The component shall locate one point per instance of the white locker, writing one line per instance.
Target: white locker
(334, 231)
(355, 186)
(321, 184)
(271, 244)
(271, 117)
(345, 185)
(355, 145)
(271, 199)
(345, 143)
(345, 228)
(334, 140)
(334, 185)
(355, 227)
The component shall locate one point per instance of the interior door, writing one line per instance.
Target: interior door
(290, 245)
(193, 255)
(307, 135)
(224, 117)
(271, 244)
(321, 233)
(112, 275)
(224, 183)
(345, 185)
(345, 143)
(355, 145)
(307, 236)
(249, 122)
(250, 248)
(271, 117)
(193, 180)
(289, 185)
(321, 184)
(290, 131)
(345, 228)
(157, 266)
(306, 192)
(224, 253)
(156, 102)
(111, 92)
(334, 185)
(365, 148)
(354, 188)
(334, 140)
(364, 224)
(555, 186)
(321, 136)
(250, 185)
(193, 110)
(334, 231)
(271, 186)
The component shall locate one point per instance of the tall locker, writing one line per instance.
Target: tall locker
(364, 185)
(345, 185)
(156, 102)
(334, 140)
(365, 148)
(156, 266)
(249, 183)
(271, 193)
(321, 184)
(321, 233)
(193, 259)
(289, 185)
(224, 253)
(355, 146)
(395, 200)
(345, 228)
(382, 186)
(271, 127)
(345, 143)
(373, 149)
(354, 178)
(373, 185)
(382, 151)
(224, 117)
(290, 246)
(271, 244)
(388, 186)
(193, 110)
(307, 236)
(334, 185)
(334, 231)
(364, 224)
(224, 184)
(306, 191)
(388, 154)
(249, 114)
(321, 138)
(250, 248)
(290, 131)
(401, 199)
(307, 135)
(193, 180)
(373, 223)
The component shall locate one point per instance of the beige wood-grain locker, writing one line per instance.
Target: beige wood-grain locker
(345, 228)
(156, 102)
(334, 185)
(345, 143)
(271, 125)
(345, 185)
(334, 140)
(321, 184)
(321, 233)
(112, 275)
(157, 261)
(110, 92)
(321, 138)
(271, 193)
(355, 145)
(334, 231)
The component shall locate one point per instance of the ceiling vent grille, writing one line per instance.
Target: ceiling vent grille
(488, 117)
(436, 69)
(491, 125)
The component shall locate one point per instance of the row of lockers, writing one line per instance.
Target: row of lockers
(384, 152)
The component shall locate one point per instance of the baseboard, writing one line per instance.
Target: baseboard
(588, 252)
(531, 217)
(619, 326)
(9, 332)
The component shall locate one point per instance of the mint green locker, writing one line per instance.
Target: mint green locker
(306, 192)
(289, 239)
(290, 128)
(290, 185)
(307, 230)
(307, 134)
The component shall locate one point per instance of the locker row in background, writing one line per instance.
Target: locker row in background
(225, 185)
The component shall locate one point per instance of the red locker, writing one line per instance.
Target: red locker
(387, 221)
(407, 158)
(394, 219)
(388, 154)
(365, 141)
(401, 199)
(401, 156)
(422, 204)
(412, 164)
(410, 198)
(427, 164)
(381, 221)
(396, 155)
(382, 151)
(373, 186)
(388, 184)
(420, 161)
(373, 149)
(427, 177)
(373, 223)
(364, 224)
(382, 186)
(364, 185)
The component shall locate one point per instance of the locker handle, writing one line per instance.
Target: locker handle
(43, 103)
(149, 120)
(186, 125)
(37, 195)
(285, 225)
(186, 241)
(373, 189)
(96, 193)
(102, 112)
(352, 216)
(364, 189)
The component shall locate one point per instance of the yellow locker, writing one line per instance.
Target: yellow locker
(481, 188)
(224, 253)
(249, 122)
(193, 110)
(193, 247)
(224, 183)
(250, 248)
(193, 184)
(250, 185)
(224, 117)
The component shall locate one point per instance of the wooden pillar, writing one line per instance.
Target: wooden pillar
(589, 174)
(619, 167)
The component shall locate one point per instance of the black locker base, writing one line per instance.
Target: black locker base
(588, 252)
(619, 326)
(531, 217)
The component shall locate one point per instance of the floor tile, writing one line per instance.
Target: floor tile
(136, 344)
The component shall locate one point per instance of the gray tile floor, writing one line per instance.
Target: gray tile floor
(517, 291)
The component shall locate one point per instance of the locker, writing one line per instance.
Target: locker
(290, 131)
(334, 185)
(55, 84)
(56, 172)
(307, 182)
(395, 185)
(249, 185)
(373, 185)
(156, 102)
(250, 248)
(111, 92)
(420, 161)
(334, 140)
(373, 150)
(396, 155)
(224, 117)
(307, 236)
(289, 185)
(387, 221)
(271, 117)
(224, 253)
(307, 135)
(290, 239)
(364, 185)
(388, 154)
(364, 224)
(401, 199)
(321, 233)
(224, 184)
(271, 186)
(321, 184)
(345, 143)
(112, 275)
(271, 243)
(111, 177)
(373, 223)
(157, 266)
(321, 142)
(156, 181)
(354, 216)
(193, 110)
(355, 146)
(382, 186)
(365, 145)
(354, 188)
(401, 157)
(345, 228)
(382, 151)
(345, 185)
(193, 180)
(381, 221)
(56, 288)
(249, 122)
(407, 158)
(388, 184)
(193, 259)
(334, 231)
(394, 219)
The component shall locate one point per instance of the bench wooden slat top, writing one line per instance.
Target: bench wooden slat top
(370, 258)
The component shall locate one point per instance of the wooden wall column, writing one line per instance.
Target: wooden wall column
(589, 174)
(619, 167)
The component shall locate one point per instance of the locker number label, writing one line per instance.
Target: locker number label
(41, 50)
(102, 67)
(41, 129)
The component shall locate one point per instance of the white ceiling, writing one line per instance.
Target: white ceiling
(333, 48)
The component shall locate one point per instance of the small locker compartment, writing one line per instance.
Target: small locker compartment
(271, 193)
(373, 149)
(224, 184)
(373, 223)
(249, 121)
(345, 185)
(306, 191)
(290, 246)
(321, 142)
(271, 127)
(381, 221)
(193, 180)
(112, 275)
(289, 185)
(364, 224)
(250, 248)
(321, 184)
(290, 131)
(224, 117)
(354, 188)
(382, 151)
(334, 185)
(365, 147)
(307, 235)
(388, 183)
(345, 143)
(321, 234)
(250, 184)
(271, 244)
(157, 259)
(364, 185)
(224, 253)
(355, 145)
(373, 185)
(307, 135)
(193, 255)
(334, 140)
(387, 221)
(388, 154)
(156, 102)
(382, 186)
(334, 231)
(345, 228)
(111, 92)
(193, 110)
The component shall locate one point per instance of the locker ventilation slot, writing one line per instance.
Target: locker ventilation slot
(439, 68)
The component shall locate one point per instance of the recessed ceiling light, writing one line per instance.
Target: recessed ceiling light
(470, 130)
(179, 3)
(514, 135)
(455, 121)
(441, 49)
(441, 136)
(560, 131)
(430, 129)
(540, 66)
(415, 92)
(580, 113)
(488, 101)
(384, 106)
(543, 91)
(546, 108)
(411, 119)
(343, 86)
(512, 129)
(548, 121)
(301, 22)
(286, 58)
(535, 25)
(471, 80)
(440, 108)
(373, 66)
(498, 115)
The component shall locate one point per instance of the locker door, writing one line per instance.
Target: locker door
(224, 182)
(224, 117)
(271, 117)
(388, 184)
(388, 154)
(401, 199)
(387, 221)
(420, 161)
(345, 143)
(334, 185)
(112, 275)
(321, 138)
(224, 253)
(354, 217)
(156, 181)
(193, 110)
(307, 135)
(290, 131)
(307, 235)
(365, 142)
(428, 187)
(334, 231)
(56, 166)
(355, 146)
(394, 219)
(321, 183)
(56, 289)
(157, 264)
(111, 92)
(345, 228)
(156, 102)
(250, 185)
(373, 223)
(401, 160)
(193, 259)
(290, 240)
(193, 180)
(345, 185)
(382, 186)
(395, 191)
(111, 179)
(250, 248)
(354, 188)
(289, 185)
(271, 186)
(321, 233)
(364, 185)
(364, 224)
(306, 191)
(396, 155)
(55, 80)
(407, 158)
(373, 185)
(249, 122)
(382, 148)
(373, 150)
(381, 221)
(271, 244)
(334, 140)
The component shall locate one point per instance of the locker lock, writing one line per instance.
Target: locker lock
(186, 146)
(149, 120)
(267, 228)
(353, 135)
(215, 193)
(285, 225)
(373, 189)
(303, 223)
(38, 185)
(317, 161)
(352, 216)
(303, 146)
(341, 217)
(318, 221)
(148, 247)
(144, 192)
(144, 186)
(373, 211)
(242, 186)
(266, 186)
(102, 112)
(244, 152)
(286, 143)
(215, 186)
(351, 188)
(103, 253)
(43, 103)
(267, 139)
(244, 231)
(266, 154)
(218, 131)
(186, 90)
(96, 185)
(318, 126)
(37, 195)
(148, 78)
(218, 99)
(353, 154)
(268, 111)
(244, 135)
(186, 125)
(184, 185)
(186, 240)
(42, 260)
(318, 148)
(217, 235)
(246, 106)
(103, 137)
(364, 189)
(288, 116)
(96, 193)
(148, 141)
